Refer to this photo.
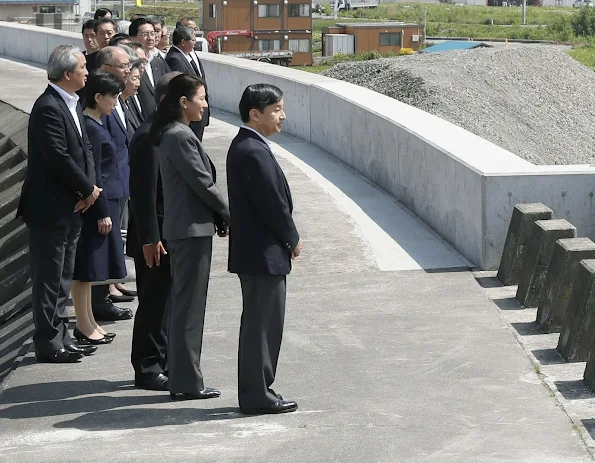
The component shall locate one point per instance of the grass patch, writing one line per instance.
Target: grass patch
(584, 54)
(170, 12)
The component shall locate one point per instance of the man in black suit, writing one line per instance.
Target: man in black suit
(179, 58)
(105, 29)
(149, 250)
(143, 31)
(59, 186)
(263, 240)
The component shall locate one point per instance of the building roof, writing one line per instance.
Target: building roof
(386, 24)
(454, 45)
(39, 2)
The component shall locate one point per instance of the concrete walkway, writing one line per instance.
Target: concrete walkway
(391, 348)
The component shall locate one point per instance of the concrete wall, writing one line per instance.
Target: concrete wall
(33, 43)
(460, 184)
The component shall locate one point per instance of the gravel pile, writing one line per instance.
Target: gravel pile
(536, 102)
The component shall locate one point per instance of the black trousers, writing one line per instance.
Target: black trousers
(51, 252)
(149, 336)
(261, 331)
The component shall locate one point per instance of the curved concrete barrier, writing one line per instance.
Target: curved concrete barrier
(460, 184)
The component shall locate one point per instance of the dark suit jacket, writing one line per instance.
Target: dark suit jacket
(262, 232)
(130, 116)
(146, 91)
(135, 109)
(146, 189)
(177, 61)
(121, 136)
(107, 169)
(193, 202)
(60, 168)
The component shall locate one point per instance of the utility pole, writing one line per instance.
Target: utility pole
(524, 9)
(336, 4)
(425, 23)
(122, 15)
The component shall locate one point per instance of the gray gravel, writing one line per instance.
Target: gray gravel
(536, 102)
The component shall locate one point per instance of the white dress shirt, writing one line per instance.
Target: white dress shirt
(120, 112)
(149, 69)
(262, 137)
(71, 102)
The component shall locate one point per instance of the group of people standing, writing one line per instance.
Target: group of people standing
(131, 157)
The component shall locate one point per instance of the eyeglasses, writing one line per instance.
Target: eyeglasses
(147, 35)
(122, 66)
(191, 40)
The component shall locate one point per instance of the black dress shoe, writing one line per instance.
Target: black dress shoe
(109, 312)
(128, 292)
(123, 298)
(151, 381)
(59, 356)
(282, 406)
(279, 396)
(85, 350)
(109, 335)
(86, 340)
(206, 393)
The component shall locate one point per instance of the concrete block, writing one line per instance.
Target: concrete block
(578, 333)
(544, 235)
(560, 280)
(517, 240)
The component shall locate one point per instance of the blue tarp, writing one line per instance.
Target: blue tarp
(452, 45)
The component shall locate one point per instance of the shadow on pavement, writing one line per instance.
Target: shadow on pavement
(527, 328)
(60, 390)
(110, 420)
(573, 390)
(80, 405)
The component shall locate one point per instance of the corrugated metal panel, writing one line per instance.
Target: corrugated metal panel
(338, 43)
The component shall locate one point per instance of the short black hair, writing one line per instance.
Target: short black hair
(181, 33)
(134, 25)
(156, 19)
(101, 12)
(180, 22)
(258, 96)
(102, 82)
(102, 21)
(161, 86)
(90, 24)
(116, 39)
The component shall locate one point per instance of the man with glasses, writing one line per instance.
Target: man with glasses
(179, 59)
(143, 31)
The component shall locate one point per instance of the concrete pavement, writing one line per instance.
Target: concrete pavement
(391, 348)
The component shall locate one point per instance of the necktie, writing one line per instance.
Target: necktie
(193, 64)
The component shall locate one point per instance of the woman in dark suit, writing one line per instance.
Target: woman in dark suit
(100, 254)
(194, 208)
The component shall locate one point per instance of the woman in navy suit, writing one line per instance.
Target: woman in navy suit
(100, 254)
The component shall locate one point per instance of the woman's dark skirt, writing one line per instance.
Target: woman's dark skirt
(100, 257)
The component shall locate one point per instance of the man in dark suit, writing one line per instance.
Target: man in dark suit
(263, 240)
(179, 59)
(149, 250)
(143, 31)
(59, 186)
(105, 29)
